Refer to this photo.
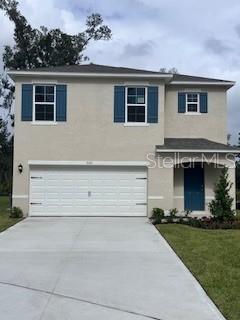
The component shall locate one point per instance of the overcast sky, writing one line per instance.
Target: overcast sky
(196, 37)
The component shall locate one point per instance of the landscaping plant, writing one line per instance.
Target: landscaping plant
(16, 213)
(221, 206)
(157, 215)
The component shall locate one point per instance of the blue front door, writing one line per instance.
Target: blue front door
(194, 198)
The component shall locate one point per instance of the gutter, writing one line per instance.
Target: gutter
(216, 83)
(89, 75)
(198, 150)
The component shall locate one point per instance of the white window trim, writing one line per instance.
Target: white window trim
(198, 104)
(39, 122)
(135, 124)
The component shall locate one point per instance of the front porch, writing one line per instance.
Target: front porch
(184, 174)
(193, 185)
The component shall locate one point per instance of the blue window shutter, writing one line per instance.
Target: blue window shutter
(27, 102)
(119, 104)
(61, 103)
(181, 102)
(152, 116)
(203, 102)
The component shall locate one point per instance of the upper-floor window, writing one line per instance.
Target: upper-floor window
(136, 105)
(192, 102)
(44, 103)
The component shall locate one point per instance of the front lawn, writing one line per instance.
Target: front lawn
(213, 256)
(5, 221)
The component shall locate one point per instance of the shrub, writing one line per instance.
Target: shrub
(157, 215)
(221, 206)
(16, 213)
(211, 223)
(237, 215)
(187, 213)
(172, 214)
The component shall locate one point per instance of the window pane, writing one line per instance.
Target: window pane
(49, 90)
(192, 97)
(141, 91)
(141, 99)
(44, 112)
(136, 114)
(44, 93)
(49, 98)
(192, 107)
(39, 89)
(39, 112)
(136, 96)
(39, 98)
(132, 91)
(132, 99)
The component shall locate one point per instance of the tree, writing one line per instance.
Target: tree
(7, 90)
(171, 70)
(221, 206)
(35, 48)
(6, 143)
(229, 139)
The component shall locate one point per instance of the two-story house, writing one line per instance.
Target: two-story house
(97, 140)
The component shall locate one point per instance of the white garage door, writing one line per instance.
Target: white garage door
(95, 191)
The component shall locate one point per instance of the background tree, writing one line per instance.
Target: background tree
(171, 70)
(35, 48)
(221, 206)
(229, 136)
(6, 143)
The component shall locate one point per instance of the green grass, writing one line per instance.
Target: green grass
(5, 220)
(214, 259)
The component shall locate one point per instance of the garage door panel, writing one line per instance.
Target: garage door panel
(80, 196)
(81, 183)
(52, 195)
(38, 195)
(102, 191)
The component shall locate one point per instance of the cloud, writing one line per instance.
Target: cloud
(152, 34)
(139, 49)
(216, 46)
(237, 28)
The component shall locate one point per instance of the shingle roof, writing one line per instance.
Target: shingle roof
(103, 69)
(193, 144)
(184, 77)
(93, 68)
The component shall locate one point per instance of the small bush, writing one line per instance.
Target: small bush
(221, 206)
(173, 212)
(157, 215)
(187, 213)
(172, 215)
(211, 223)
(16, 213)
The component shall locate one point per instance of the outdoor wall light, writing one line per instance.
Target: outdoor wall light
(20, 168)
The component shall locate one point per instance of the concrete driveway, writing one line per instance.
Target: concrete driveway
(95, 268)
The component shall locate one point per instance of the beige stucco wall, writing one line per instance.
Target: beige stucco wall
(90, 134)
(212, 125)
